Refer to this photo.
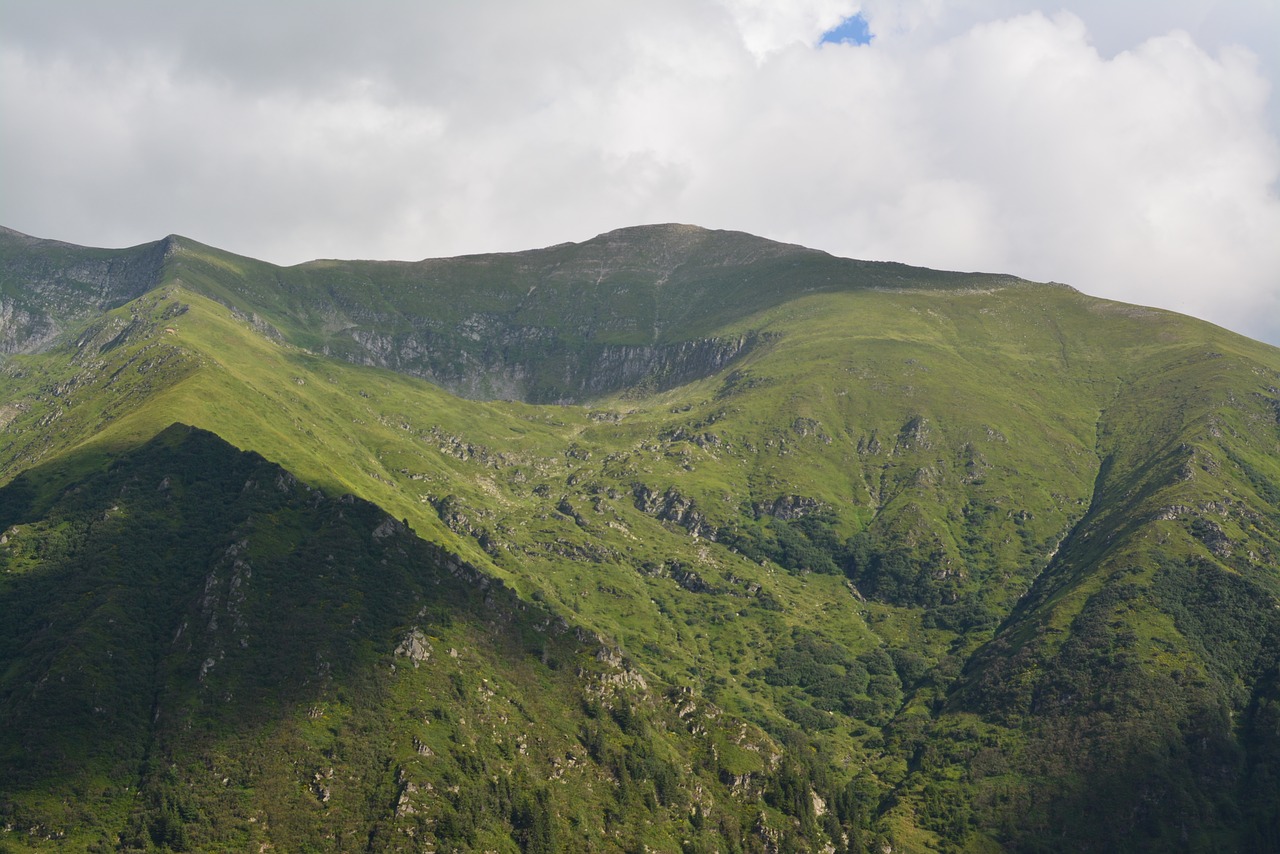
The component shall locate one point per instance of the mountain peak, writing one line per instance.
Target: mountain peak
(675, 238)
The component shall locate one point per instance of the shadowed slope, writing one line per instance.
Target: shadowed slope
(202, 653)
(47, 286)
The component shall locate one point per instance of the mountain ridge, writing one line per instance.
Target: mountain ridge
(965, 560)
(657, 299)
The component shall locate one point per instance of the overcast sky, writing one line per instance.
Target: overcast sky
(1131, 149)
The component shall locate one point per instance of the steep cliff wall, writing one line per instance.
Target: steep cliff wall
(47, 286)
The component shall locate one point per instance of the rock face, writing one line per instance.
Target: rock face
(675, 508)
(47, 286)
(786, 507)
(415, 647)
(536, 365)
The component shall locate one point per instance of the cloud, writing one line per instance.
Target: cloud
(767, 26)
(1135, 164)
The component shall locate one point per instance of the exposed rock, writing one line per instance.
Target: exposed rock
(914, 435)
(1212, 535)
(623, 675)
(1173, 511)
(680, 573)
(786, 507)
(388, 527)
(803, 427)
(740, 785)
(63, 285)
(491, 357)
(673, 507)
(415, 647)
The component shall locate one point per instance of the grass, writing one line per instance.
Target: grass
(1005, 450)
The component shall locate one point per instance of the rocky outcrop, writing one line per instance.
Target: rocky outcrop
(675, 508)
(786, 507)
(617, 367)
(678, 572)
(415, 647)
(47, 287)
(537, 364)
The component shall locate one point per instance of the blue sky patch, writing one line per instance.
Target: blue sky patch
(852, 30)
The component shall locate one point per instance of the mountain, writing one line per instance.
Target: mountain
(739, 545)
(563, 324)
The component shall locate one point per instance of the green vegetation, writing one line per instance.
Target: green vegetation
(824, 553)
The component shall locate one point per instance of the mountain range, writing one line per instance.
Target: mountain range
(670, 540)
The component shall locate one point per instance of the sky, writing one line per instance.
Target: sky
(1130, 149)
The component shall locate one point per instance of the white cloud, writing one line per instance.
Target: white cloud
(1136, 164)
(767, 26)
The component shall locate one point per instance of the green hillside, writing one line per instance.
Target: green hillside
(886, 556)
(206, 653)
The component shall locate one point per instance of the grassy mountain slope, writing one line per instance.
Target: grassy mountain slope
(1148, 647)
(206, 653)
(567, 323)
(975, 554)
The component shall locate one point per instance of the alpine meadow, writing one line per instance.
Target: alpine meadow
(672, 540)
